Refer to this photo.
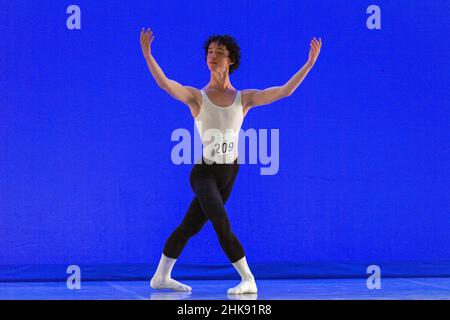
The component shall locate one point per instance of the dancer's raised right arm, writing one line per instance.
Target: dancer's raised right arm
(182, 93)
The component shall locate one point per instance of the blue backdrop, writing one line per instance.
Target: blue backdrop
(86, 175)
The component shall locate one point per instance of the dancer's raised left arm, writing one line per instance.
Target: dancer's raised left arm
(256, 97)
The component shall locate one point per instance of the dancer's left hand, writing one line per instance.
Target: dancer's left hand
(314, 51)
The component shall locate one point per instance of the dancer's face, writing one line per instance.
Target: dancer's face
(218, 57)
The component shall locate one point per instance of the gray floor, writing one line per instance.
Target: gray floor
(311, 289)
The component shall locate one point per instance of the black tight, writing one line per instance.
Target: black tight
(212, 185)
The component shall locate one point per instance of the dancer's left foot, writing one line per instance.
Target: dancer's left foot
(246, 286)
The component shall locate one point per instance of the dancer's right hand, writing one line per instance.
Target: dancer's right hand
(146, 42)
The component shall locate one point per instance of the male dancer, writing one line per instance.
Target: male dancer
(218, 110)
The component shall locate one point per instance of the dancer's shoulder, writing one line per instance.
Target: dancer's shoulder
(196, 94)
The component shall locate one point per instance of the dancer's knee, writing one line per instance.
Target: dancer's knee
(224, 232)
(187, 231)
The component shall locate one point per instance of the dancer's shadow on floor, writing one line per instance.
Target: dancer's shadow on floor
(247, 296)
(169, 295)
(176, 295)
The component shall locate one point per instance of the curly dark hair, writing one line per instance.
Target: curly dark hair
(232, 46)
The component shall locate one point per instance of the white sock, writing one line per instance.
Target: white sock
(163, 276)
(247, 284)
(165, 267)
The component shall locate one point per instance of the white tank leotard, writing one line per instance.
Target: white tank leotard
(219, 128)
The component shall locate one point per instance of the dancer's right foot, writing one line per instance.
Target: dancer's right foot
(169, 283)
(246, 286)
